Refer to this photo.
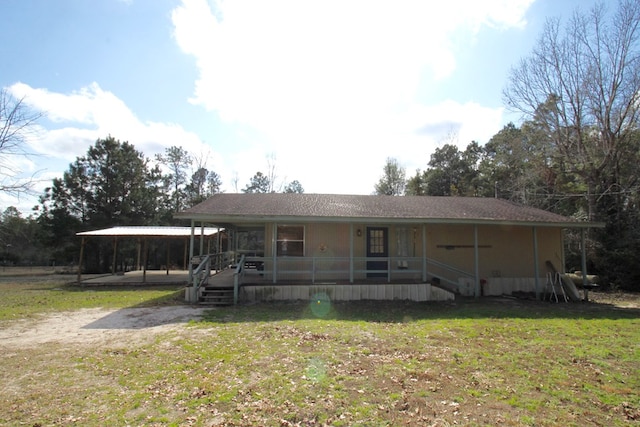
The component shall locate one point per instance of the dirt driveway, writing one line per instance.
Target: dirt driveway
(98, 326)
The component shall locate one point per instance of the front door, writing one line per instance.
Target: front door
(377, 247)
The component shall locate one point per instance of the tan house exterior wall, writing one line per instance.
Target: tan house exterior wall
(505, 254)
(503, 251)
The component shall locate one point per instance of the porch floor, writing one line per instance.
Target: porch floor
(152, 277)
(254, 278)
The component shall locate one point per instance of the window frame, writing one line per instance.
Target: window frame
(288, 247)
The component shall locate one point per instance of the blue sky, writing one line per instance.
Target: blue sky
(324, 90)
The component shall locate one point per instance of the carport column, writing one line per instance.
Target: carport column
(184, 256)
(168, 253)
(476, 260)
(274, 251)
(80, 261)
(115, 253)
(144, 258)
(536, 268)
(350, 253)
(424, 252)
(139, 260)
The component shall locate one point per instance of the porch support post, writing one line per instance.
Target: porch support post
(476, 261)
(202, 238)
(115, 254)
(536, 268)
(583, 245)
(80, 260)
(274, 251)
(218, 250)
(350, 253)
(562, 253)
(191, 249)
(424, 253)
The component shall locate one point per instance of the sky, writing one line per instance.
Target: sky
(324, 91)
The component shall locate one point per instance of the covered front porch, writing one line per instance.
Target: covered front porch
(288, 246)
(248, 281)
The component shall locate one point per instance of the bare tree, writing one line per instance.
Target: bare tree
(581, 86)
(234, 181)
(17, 124)
(271, 173)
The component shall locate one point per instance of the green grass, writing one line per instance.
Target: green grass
(478, 363)
(25, 300)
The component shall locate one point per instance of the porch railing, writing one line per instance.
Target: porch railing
(238, 277)
(206, 263)
(333, 269)
(200, 276)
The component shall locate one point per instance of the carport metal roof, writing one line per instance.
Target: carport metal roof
(144, 231)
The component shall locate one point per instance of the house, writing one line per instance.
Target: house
(384, 247)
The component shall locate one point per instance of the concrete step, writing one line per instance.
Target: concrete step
(217, 296)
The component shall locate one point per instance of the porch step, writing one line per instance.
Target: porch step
(219, 296)
(435, 281)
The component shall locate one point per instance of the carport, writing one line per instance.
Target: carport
(143, 234)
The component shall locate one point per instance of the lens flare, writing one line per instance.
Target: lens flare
(320, 304)
(316, 370)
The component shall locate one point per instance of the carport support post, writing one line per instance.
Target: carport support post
(536, 268)
(144, 260)
(168, 254)
(115, 253)
(184, 258)
(80, 261)
(476, 260)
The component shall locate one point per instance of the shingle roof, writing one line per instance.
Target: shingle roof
(229, 208)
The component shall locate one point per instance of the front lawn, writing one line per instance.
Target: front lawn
(472, 362)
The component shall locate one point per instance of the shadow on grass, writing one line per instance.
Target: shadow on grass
(148, 311)
(127, 298)
(404, 311)
(139, 318)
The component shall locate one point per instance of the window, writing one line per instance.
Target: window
(290, 240)
(377, 243)
(403, 247)
(403, 242)
(251, 241)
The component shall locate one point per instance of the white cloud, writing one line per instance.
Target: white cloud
(92, 113)
(332, 85)
(79, 119)
(273, 63)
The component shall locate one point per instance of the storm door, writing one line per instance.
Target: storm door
(377, 247)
